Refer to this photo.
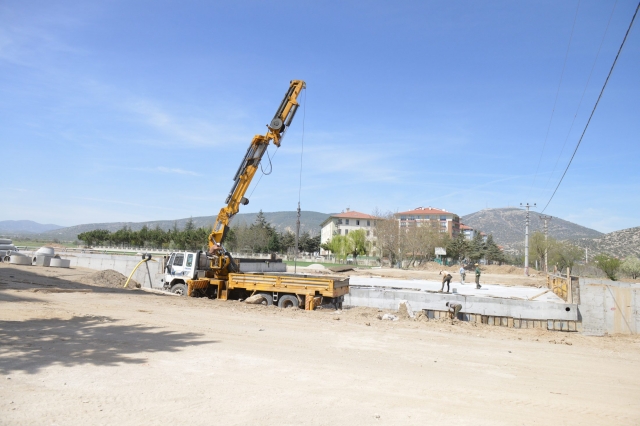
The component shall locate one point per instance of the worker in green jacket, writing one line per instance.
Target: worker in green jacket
(478, 277)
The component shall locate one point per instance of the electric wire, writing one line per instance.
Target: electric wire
(581, 97)
(555, 102)
(595, 106)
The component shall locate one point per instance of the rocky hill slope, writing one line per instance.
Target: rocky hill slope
(623, 243)
(507, 226)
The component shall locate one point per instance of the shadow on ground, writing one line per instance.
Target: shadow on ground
(39, 279)
(38, 343)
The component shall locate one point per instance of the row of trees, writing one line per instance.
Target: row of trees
(259, 237)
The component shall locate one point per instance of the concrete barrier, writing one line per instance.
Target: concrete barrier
(609, 307)
(483, 306)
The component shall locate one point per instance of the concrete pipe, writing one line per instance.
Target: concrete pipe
(60, 263)
(19, 259)
(41, 260)
(46, 251)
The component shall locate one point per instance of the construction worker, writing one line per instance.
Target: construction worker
(478, 286)
(462, 274)
(445, 279)
(454, 308)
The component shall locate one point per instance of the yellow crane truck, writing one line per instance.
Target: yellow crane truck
(216, 274)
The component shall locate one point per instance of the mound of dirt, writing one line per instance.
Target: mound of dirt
(108, 278)
(316, 266)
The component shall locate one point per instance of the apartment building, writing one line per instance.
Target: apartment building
(345, 222)
(444, 221)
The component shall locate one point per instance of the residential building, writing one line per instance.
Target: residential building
(345, 222)
(444, 221)
(470, 233)
(467, 231)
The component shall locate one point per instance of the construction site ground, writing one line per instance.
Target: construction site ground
(75, 348)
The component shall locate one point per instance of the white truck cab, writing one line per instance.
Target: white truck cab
(181, 266)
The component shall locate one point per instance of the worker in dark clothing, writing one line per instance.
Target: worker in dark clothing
(478, 277)
(445, 279)
(454, 308)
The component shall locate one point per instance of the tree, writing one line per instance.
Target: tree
(564, 254)
(478, 248)
(389, 236)
(356, 243)
(493, 252)
(458, 248)
(538, 246)
(609, 265)
(631, 267)
(312, 244)
(288, 241)
(338, 246)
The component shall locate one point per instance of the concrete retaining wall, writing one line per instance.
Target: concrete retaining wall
(609, 307)
(484, 306)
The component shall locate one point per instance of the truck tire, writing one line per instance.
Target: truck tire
(180, 289)
(268, 299)
(288, 301)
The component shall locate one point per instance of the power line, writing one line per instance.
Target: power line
(553, 110)
(584, 91)
(596, 105)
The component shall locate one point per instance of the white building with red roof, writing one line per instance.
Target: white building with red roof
(444, 221)
(345, 222)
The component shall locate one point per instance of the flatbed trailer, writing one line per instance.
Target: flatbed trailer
(285, 290)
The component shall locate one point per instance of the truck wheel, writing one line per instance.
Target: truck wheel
(180, 289)
(268, 299)
(288, 301)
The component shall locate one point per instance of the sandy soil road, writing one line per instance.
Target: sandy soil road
(72, 353)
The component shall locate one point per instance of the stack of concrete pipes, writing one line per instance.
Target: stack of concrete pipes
(44, 256)
(6, 248)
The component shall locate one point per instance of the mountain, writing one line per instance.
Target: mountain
(507, 226)
(18, 227)
(623, 243)
(281, 221)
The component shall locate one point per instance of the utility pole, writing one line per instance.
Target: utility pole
(546, 246)
(526, 238)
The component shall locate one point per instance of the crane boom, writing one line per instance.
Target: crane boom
(249, 165)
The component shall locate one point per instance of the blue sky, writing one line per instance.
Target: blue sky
(142, 110)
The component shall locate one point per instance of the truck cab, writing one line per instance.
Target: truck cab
(181, 266)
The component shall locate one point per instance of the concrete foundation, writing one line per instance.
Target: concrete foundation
(500, 306)
(475, 305)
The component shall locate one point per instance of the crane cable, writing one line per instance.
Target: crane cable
(595, 106)
(297, 241)
(304, 114)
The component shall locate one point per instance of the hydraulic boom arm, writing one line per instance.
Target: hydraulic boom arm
(276, 130)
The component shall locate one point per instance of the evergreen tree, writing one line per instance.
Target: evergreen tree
(477, 249)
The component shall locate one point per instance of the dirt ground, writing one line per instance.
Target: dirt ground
(72, 352)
